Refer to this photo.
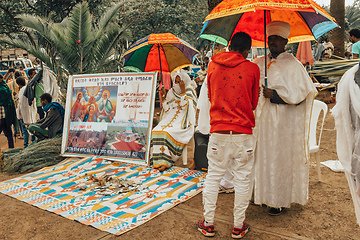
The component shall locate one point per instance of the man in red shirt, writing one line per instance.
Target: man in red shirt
(233, 85)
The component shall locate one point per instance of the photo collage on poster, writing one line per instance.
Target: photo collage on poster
(109, 116)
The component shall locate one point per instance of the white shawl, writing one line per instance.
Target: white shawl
(348, 92)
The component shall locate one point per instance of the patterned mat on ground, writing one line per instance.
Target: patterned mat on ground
(111, 196)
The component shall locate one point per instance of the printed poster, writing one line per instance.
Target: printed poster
(110, 115)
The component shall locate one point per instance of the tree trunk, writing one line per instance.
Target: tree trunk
(337, 10)
(212, 4)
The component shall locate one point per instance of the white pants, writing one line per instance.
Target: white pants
(224, 150)
(227, 180)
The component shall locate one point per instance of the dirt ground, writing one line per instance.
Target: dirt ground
(329, 213)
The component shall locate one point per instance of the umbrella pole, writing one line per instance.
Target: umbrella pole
(161, 77)
(265, 48)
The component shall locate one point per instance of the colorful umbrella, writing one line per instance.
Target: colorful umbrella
(162, 52)
(308, 21)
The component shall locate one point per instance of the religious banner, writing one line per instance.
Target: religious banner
(109, 115)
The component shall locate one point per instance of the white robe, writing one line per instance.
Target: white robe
(176, 126)
(347, 123)
(50, 84)
(23, 110)
(203, 106)
(281, 154)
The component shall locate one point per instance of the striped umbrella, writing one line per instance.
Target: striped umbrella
(308, 21)
(163, 52)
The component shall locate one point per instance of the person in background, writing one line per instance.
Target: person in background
(206, 61)
(34, 89)
(10, 75)
(52, 124)
(200, 79)
(7, 112)
(318, 51)
(25, 113)
(354, 38)
(23, 73)
(233, 86)
(328, 47)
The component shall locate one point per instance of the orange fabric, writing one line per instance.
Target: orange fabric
(152, 64)
(304, 53)
(231, 7)
(163, 38)
(233, 84)
(293, 18)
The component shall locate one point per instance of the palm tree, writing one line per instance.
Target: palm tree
(352, 17)
(337, 10)
(76, 45)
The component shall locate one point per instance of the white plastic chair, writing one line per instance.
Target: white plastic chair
(314, 145)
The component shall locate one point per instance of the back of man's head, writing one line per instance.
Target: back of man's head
(1, 77)
(31, 71)
(46, 96)
(355, 32)
(240, 42)
(21, 81)
(17, 74)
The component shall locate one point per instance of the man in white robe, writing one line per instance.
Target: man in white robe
(347, 123)
(25, 113)
(282, 126)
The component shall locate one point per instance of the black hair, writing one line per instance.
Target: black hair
(17, 74)
(20, 81)
(355, 32)
(46, 96)
(11, 69)
(30, 72)
(206, 58)
(240, 42)
(1, 76)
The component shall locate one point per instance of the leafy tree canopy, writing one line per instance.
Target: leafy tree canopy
(183, 18)
(55, 9)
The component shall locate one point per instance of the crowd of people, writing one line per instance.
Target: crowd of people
(257, 131)
(25, 107)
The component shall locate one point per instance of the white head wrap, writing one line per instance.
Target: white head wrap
(183, 76)
(278, 28)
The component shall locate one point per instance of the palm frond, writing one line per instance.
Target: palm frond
(36, 23)
(80, 24)
(108, 16)
(102, 49)
(30, 48)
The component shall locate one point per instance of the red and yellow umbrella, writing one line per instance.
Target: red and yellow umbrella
(308, 21)
(162, 52)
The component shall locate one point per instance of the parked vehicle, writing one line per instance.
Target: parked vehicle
(15, 63)
(255, 52)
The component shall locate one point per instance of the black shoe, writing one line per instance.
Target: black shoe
(276, 211)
